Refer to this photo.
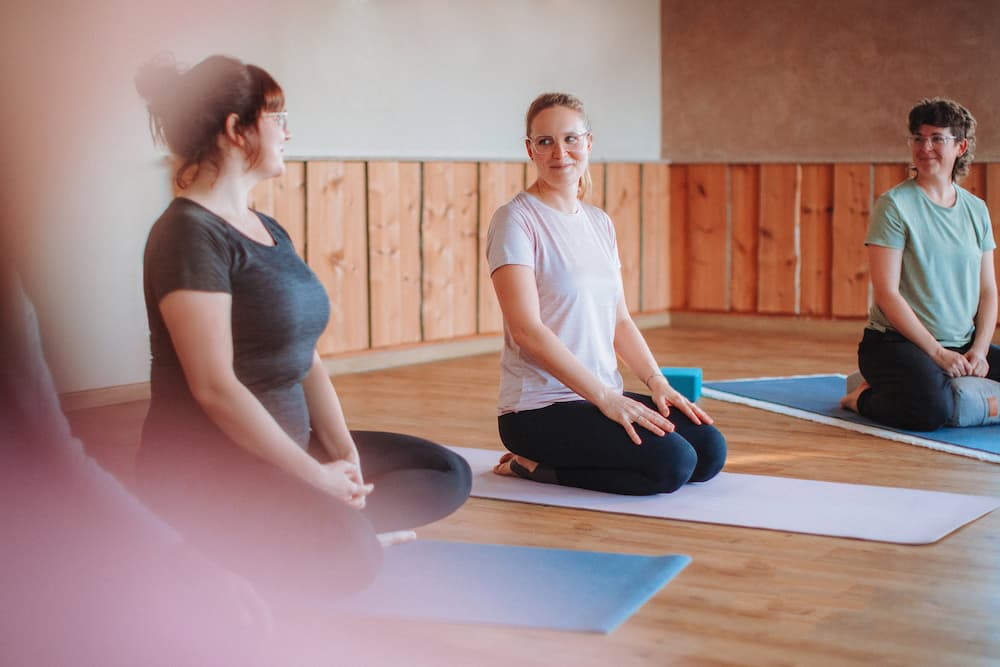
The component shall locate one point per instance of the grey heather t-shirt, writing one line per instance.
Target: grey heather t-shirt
(279, 310)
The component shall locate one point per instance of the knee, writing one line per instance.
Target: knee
(459, 471)
(451, 476)
(457, 485)
(675, 467)
(710, 447)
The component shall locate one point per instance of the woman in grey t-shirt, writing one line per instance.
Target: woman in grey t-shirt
(238, 388)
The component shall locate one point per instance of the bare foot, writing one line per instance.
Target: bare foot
(850, 400)
(503, 468)
(396, 537)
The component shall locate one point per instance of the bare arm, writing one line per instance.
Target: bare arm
(201, 331)
(631, 347)
(986, 317)
(327, 415)
(517, 293)
(886, 266)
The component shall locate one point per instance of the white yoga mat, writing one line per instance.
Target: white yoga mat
(864, 512)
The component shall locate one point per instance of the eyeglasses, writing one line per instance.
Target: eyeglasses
(571, 143)
(280, 116)
(937, 140)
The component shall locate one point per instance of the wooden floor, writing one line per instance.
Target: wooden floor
(750, 597)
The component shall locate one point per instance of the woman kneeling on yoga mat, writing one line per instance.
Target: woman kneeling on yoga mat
(238, 389)
(562, 411)
(930, 251)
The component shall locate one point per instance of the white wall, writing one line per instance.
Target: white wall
(376, 79)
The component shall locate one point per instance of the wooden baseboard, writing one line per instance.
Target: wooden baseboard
(652, 320)
(776, 324)
(95, 398)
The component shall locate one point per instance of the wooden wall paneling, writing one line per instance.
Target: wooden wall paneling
(975, 180)
(450, 240)
(338, 250)
(744, 211)
(394, 252)
(816, 239)
(777, 255)
(655, 284)
(679, 262)
(499, 182)
(851, 197)
(284, 199)
(708, 286)
(993, 203)
(289, 203)
(596, 196)
(887, 176)
(623, 198)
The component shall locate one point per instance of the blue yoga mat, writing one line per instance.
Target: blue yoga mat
(497, 584)
(820, 395)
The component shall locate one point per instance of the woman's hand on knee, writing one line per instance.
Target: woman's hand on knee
(631, 413)
(665, 398)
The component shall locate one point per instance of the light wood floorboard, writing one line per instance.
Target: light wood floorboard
(750, 597)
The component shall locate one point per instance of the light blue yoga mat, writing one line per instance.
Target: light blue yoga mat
(817, 397)
(497, 584)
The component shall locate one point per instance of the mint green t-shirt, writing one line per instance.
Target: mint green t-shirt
(942, 255)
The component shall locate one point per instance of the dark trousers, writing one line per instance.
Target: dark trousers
(289, 539)
(908, 390)
(588, 450)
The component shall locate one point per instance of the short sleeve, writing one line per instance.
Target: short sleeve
(609, 227)
(184, 252)
(886, 227)
(509, 240)
(986, 242)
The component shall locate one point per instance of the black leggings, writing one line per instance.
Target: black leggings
(288, 538)
(908, 390)
(588, 450)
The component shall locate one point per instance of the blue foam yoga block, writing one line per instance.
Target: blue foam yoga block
(686, 380)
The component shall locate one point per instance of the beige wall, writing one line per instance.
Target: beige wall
(434, 79)
(826, 80)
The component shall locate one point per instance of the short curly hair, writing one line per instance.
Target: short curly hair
(941, 112)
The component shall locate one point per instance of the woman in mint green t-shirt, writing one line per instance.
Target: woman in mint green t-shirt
(930, 250)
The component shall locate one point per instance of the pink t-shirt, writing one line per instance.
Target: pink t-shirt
(578, 272)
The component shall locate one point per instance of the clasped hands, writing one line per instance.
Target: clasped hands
(956, 364)
(342, 479)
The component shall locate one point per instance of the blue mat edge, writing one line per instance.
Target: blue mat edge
(951, 436)
(665, 568)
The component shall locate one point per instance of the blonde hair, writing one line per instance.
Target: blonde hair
(549, 100)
